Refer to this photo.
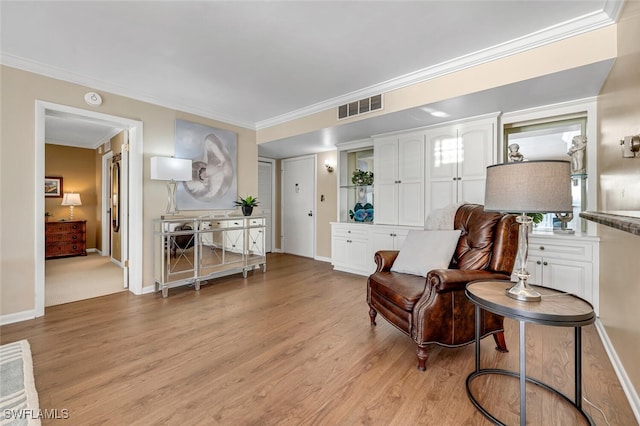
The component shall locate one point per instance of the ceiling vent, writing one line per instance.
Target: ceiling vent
(362, 106)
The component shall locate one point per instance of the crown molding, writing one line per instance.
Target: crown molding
(105, 86)
(540, 38)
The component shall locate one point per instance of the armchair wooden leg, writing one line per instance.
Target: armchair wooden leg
(422, 358)
(501, 344)
(372, 315)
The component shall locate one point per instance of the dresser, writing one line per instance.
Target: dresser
(68, 238)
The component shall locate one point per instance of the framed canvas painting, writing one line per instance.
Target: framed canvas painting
(53, 187)
(214, 152)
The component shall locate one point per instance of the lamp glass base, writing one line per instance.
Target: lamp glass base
(521, 291)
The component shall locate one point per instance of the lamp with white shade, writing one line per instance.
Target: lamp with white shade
(71, 199)
(172, 170)
(528, 187)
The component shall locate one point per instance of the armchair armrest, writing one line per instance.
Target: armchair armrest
(384, 259)
(456, 279)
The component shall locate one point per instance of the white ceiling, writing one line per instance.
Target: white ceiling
(255, 64)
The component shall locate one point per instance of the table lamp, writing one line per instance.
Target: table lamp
(172, 170)
(71, 199)
(528, 187)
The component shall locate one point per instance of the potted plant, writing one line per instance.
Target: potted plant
(247, 204)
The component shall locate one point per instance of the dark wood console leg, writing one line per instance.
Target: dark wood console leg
(422, 358)
(372, 315)
(500, 342)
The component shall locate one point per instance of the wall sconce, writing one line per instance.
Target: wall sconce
(630, 146)
(71, 199)
(329, 165)
(172, 170)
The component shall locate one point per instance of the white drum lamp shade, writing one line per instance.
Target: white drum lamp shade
(71, 199)
(171, 170)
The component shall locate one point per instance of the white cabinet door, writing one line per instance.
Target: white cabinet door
(399, 180)
(457, 159)
(442, 161)
(476, 153)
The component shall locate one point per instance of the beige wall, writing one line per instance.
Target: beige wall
(327, 210)
(76, 166)
(20, 90)
(619, 181)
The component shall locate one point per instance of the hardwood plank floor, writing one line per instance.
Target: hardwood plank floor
(291, 346)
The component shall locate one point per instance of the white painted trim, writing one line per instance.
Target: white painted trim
(17, 317)
(135, 194)
(91, 250)
(475, 120)
(323, 259)
(106, 221)
(273, 198)
(147, 289)
(540, 38)
(625, 381)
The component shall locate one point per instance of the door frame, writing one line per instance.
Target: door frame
(133, 267)
(314, 157)
(106, 217)
(273, 199)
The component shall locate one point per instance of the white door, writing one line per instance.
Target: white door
(265, 196)
(298, 206)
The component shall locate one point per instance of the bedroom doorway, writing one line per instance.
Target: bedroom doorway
(130, 201)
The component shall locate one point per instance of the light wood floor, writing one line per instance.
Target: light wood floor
(291, 346)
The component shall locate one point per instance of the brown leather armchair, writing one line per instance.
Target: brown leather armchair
(435, 309)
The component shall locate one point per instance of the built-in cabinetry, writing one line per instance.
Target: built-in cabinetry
(353, 245)
(191, 250)
(457, 159)
(565, 262)
(399, 179)
(65, 238)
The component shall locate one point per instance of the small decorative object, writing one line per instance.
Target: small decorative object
(47, 215)
(362, 213)
(564, 219)
(514, 155)
(576, 152)
(362, 177)
(247, 204)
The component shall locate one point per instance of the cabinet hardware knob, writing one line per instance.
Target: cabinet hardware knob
(541, 247)
(545, 263)
(538, 262)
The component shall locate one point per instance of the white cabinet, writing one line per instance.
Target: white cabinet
(567, 263)
(350, 250)
(456, 160)
(387, 238)
(399, 179)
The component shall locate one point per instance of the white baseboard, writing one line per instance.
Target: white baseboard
(278, 250)
(149, 289)
(627, 386)
(323, 259)
(92, 250)
(17, 317)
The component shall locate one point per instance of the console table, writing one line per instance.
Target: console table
(192, 250)
(555, 309)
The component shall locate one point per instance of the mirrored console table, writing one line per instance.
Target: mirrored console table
(191, 250)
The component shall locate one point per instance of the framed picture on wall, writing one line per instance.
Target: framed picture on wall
(53, 187)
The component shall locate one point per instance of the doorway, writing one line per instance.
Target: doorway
(266, 195)
(298, 205)
(131, 221)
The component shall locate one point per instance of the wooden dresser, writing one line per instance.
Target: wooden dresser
(66, 238)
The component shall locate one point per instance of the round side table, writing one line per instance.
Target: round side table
(556, 309)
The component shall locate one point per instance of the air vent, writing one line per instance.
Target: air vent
(360, 107)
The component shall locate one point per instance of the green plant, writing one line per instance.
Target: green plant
(249, 201)
(362, 177)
